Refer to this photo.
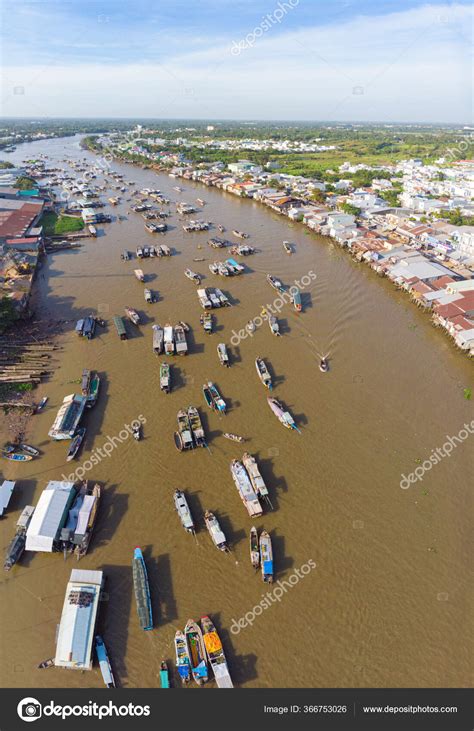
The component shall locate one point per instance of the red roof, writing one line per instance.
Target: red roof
(17, 222)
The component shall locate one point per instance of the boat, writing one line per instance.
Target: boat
(68, 417)
(120, 327)
(147, 293)
(233, 437)
(86, 520)
(139, 274)
(142, 590)
(218, 537)
(185, 326)
(183, 437)
(164, 250)
(245, 489)
(140, 252)
(184, 513)
(137, 432)
(30, 450)
(196, 427)
(165, 378)
(17, 457)
(125, 255)
(274, 325)
(182, 657)
(266, 557)
(76, 444)
(49, 663)
(157, 339)
(93, 395)
(132, 315)
(85, 382)
(218, 402)
(258, 483)
(41, 404)
(104, 662)
(169, 339)
(296, 299)
(221, 228)
(215, 654)
(17, 544)
(196, 652)
(181, 346)
(323, 365)
(223, 355)
(254, 548)
(283, 416)
(200, 201)
(207, 322)
(263, 373)
(92, 230)
(287, 246)
(192, 276)
(240, 234)
(164, 675)
(275, 283)
(251, 326)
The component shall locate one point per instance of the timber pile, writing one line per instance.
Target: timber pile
(25, 362)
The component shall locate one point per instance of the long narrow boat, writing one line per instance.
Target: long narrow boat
(76, 443)
(142, 590)
(104, 662)
(258, 483)
(266, 557)
(215, 531)
(164, 675)
(41, 404)
(287, 246)
(93, 395)
(196, 652)
(182, 508)
(30, 450)
(245, 489)
(165, 377)
(196, 427)
(196, 278)
(273, 324)
(263, 373)
(218, 402)
(182, 657)
(223, 355)
(254, 548)
(139, 274)
(181, 346)
(17, 544)
(86, 521)
(183, 437)
(169, 339)
(215, 654)
(296, 299)
(157, 339)
(283, 416)
(17, 457)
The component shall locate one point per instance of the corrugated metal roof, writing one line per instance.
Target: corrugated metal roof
(78, 618)
(6, 489)
(48, 516)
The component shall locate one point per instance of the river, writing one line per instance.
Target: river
(388, 602)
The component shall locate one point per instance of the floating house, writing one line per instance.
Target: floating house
(50, 516)
(78, 619)
(68, 417)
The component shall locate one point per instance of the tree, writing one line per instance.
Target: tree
(318, 195)
(8, 313)
(348, 208)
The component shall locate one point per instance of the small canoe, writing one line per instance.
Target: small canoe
(17, 457)
(164, 675)
(30, 450)
(233, 437)
(41, 404)
(104, 662)
(254, 548)
(196, 652)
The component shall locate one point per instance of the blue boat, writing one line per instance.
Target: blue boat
(182, 657)
(142, 590)
(104, 662)
(266, 557)
(164, 675)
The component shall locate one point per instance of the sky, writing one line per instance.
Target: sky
(314, 60)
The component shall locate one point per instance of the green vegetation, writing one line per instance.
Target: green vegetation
(25, 183)
(391, 196)
(353, 210)
(54, 225)
(8, 313)
(456, 218)
(319, 196)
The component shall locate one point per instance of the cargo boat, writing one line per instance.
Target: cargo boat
(215, 654)
(215, 531)
(245, 488)
(164, 675)
(196, 427)
(254, 548)
(142, 590)
(223, 355)
(283, 416)
(263, 373)
(182, 508)
(196, 652)
(165, 378)
(157, 339)
(132, 315)
(76, 443)
(17, 544)
(183, 437)
(68, 417)
(104, 662)
(182, 658)
(266, 557)
(120, 327)
(258, 483)
(181, 346)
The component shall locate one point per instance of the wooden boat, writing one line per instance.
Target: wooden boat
(49, 663)
(215, 654)
(120, 327)
(76, 444)
(169, 339)
(183, 437)
(213, 398)
(157, 339)
(104, 662)
(182, 658)
(206, 321)
(132, 315)
(245, 489)
(17, 457)
(137, 432)
(185, 326)
(233, 437)
(93, 395)
(223, 355)
(165, 378)
(263, 373)
(196, 652)
(200, 201)
(181, 346)
(92, 230)
(142, 590)
(41, 404)
(221, 228)
(164, 250)
(266, 557)
(283, 416)
(296, 299)
(147, 293)
(251, 326)
(275, 283)
(217, 535)
(17, 544)
(240, 234)
(324, 365)
(164, 675)
(196, 427)
(182, 508)
(196, 278)
(274, 325)
(86, 521)
(254, 548)
(30, 450)
(258, 483)
(140, 253)
(287, 246)
(139, 275)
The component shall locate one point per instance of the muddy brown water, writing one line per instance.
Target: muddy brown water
(388, 603)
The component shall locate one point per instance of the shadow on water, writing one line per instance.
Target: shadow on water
(193, 345)
(113, 506)
(210, 435)
(161, 589)
(233, 536)
(114, 615)
(281, 562)
(94, 417)
(274, 483)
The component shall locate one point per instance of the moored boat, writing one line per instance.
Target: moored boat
(169, 339)
(165, 377)
(76, 444)
(93, 395)
(283, 416)
(182, 658)
(183, 437)
(215, 654)
(215, 531)
(266, 557)
(258, 483)
(206, 321)
(196, 427)
(157, 339)
(181, 345)
(30, 450)
(164, 675)
(263, 373)
(240, 234)
(17, 544)
(104, 662)
(139, 274)
(254, 548)
(245, 489)
(218, 402)
(125, 255)
(196, 652)
(142, 590)
(223, 355)
(86, 520)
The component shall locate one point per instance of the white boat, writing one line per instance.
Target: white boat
(169, 340)
(181, 345)
(266, 557)
(139, 275)
(218, 537)
(184, 513)
(215, 654)
(192, 276)
(223, 355)
(283, 416)
(273, 325)
(263, 373)
(245, 488)
(258, 483)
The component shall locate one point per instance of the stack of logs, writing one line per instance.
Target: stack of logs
(25, 362)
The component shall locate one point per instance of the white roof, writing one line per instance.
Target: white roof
(78, 618)
(48, 516)
(84, 514)
(6, 489)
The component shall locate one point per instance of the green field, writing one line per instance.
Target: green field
(54, 225)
